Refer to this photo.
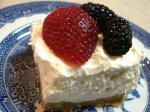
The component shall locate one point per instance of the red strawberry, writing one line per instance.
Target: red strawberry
(71, 33)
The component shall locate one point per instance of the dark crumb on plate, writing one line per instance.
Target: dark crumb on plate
(25, 84)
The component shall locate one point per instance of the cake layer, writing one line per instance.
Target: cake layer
(102, 76)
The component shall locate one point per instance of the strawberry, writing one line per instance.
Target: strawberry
(71, 33)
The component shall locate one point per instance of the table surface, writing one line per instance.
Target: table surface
(137, 11)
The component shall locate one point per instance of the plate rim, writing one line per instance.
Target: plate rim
(136, 28)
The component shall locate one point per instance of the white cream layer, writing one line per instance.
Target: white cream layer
(100, 77)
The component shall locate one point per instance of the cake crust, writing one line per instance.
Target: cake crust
(114, 101)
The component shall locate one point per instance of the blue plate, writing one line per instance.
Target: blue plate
(19, 88)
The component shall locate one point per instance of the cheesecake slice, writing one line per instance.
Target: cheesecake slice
(101, 77)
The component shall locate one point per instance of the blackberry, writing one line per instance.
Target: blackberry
(117, 36)
(99, 12)
(117, 46)
(116, 30)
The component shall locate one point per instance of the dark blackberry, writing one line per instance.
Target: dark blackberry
(99, 12)
(116, 30)
(117, 36)
(117, 46)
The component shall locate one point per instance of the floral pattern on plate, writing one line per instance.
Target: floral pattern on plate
(19, 88)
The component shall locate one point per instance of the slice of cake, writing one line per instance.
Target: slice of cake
(78, 65)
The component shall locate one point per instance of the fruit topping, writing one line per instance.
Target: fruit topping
(99, 12)
(117, 36)
(71, 33)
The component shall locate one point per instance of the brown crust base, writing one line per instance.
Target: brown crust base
(67, 106)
